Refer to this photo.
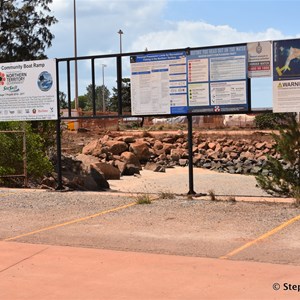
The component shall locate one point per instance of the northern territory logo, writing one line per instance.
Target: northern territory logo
(2, 78)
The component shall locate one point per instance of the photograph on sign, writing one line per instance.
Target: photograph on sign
(217, 79)
(259, 59)
(28, 91)
(286, 75)
(158, 84)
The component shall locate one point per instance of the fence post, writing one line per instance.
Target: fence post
(190, 148)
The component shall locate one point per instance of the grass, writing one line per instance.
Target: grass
(143, 199)
(166, 195)
(212, 195)
(231, 199)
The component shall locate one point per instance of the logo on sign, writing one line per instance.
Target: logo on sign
(2, 78)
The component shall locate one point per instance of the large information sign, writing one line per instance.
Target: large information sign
(158, 84)
(286, 76)
(217, 79)
(28, 91)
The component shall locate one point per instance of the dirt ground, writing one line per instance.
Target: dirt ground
(179, 226)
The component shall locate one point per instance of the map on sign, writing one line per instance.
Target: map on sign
(28, 91)
(158, 84)
(217, 79)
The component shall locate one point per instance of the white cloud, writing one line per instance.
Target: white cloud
(199, 34)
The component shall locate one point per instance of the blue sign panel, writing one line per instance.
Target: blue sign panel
(217, 80)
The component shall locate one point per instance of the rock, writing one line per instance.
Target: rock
(126, 139)
(131, 170)
(255, 170)
(168, 147)
(259, 145)
(175, 154)
(183, 162)
(92, 148)
(141, 150)
(131, 159)
(154, 167)
(87, 161)
(116, 147)
(109, 171)
(121, 165)
(203, 145)
(212, 145)
(158, 145)
(99, 179)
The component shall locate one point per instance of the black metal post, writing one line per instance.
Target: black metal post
(190, 148)
(58, 136)
(93, 86)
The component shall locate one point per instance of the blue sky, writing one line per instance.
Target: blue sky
(166, 24)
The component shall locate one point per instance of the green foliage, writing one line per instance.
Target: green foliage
(24, 29)
(47, 132)
(272, 120)
(63, 100)
(285, 172)
(86, 101)
(143, 199)
(126, 97)
(11, 145)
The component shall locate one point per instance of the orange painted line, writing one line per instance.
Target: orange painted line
(261, 238)
(71, 222)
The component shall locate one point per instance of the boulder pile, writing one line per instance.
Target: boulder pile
(129, 153)
(111, 156)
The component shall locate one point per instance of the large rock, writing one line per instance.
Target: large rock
(154, 167)
(93, 178)
(87, 161)
(92, 148)
(130, 158)
(99, 178)
(141, 150)
(116, 147)
(109, 171)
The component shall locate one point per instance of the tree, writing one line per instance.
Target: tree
(285, 171)
(63, 100)
(24, 29)
(126, 97)
(98, 97)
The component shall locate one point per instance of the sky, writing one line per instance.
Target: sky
(167, 24)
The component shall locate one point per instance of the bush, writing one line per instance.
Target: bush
(272, 120)
(11, 145)
(284, 178)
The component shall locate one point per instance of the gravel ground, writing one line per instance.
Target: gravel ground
(179, 226)
(176, 180)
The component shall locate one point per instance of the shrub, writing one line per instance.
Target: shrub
(272, 120)
(11, 145)
(284, 178)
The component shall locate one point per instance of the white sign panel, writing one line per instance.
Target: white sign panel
(28, 91)
(259, 59)
(158, 83)
(286, 96)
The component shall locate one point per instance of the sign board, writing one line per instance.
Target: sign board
(158, 83)
(259, 59)
(217, 79)
(286, 75)
(28, 91)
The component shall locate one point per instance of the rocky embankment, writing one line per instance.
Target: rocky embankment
(112, 156)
